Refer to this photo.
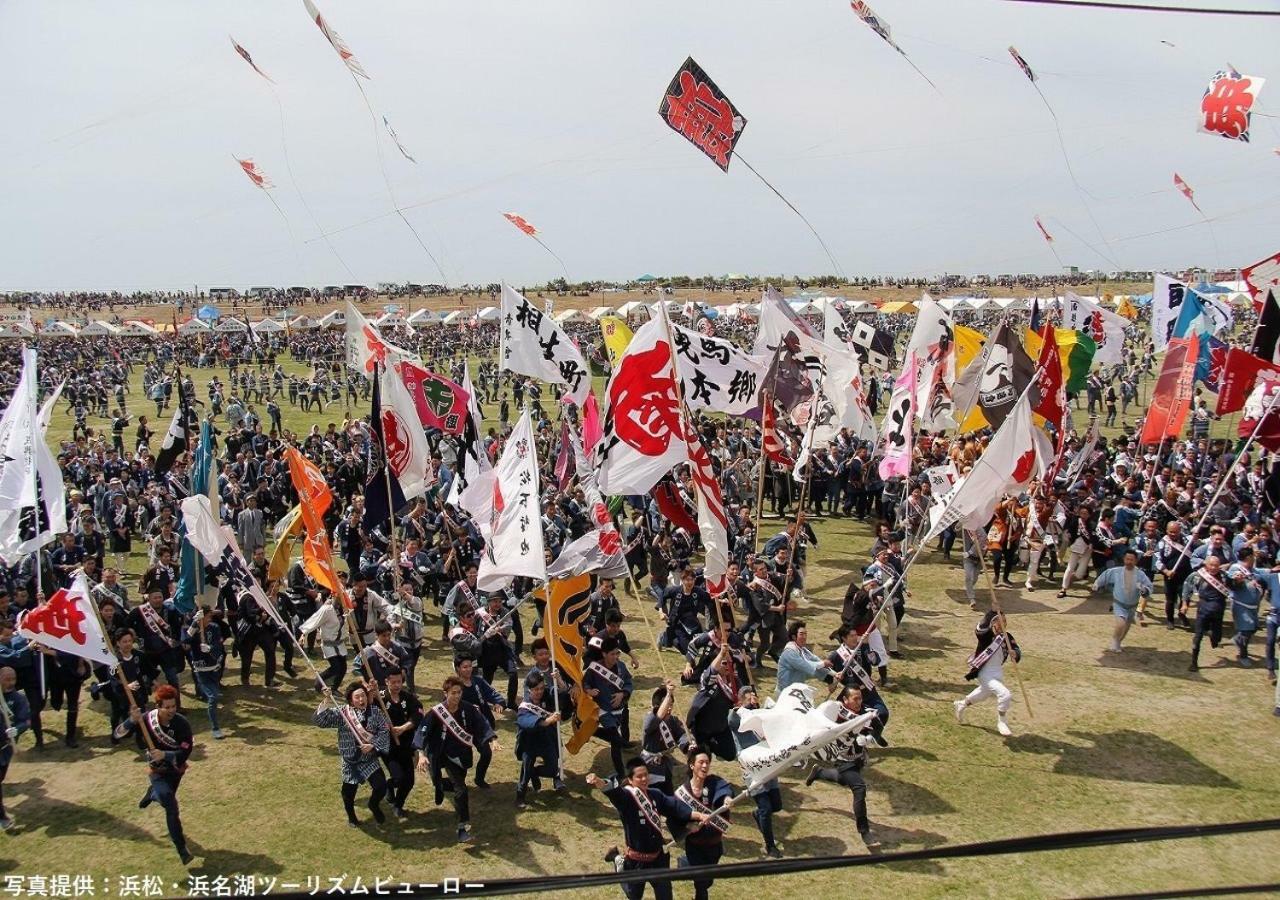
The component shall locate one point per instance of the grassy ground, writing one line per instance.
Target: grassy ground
(1114, 741)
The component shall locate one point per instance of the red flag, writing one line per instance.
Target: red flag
(591, 428)
(673, 507)
(1238, 376)
(768, 424)
(440, 402)
(521, 223)
(565, 468)
(1262, 405)
(1171, 399)
(1048, 397)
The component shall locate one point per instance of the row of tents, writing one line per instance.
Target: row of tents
(394, 316)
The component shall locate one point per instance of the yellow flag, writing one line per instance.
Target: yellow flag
(568, 604)
(968, 345)
(287, 529)
(1127, 309)
(616, 337)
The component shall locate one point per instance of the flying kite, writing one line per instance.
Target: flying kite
(881, 27)
(354, 67)
(255, 174)
(244, 54)
(1066, 158)
(1226, 109)
(1186, 191)
(396, 140)
(339, 45)
(527, 227)
(1048, 239)
(694, 108)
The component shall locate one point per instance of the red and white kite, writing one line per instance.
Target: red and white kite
(348, 58)
(255, 174)
(1260, 277)
(1048, 237)
(1226, 109)
(522, 223)
(244, 54)
(1186, 191)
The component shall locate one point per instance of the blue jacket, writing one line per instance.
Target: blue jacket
(796, 664)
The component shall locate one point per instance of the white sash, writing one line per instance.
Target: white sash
(157, 625)
(646, 807)
(353, 723)
(850, 663)
(158, 733)
(686, 796)
(1215, 583)
(978, 660)
(451, 725)
(612, 677)
(534, 708)
(387, 656)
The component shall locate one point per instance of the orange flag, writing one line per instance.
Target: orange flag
(567, 607)
(1171, 399)
(314, 495)
(317, 559)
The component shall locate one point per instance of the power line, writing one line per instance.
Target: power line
(1154, 7)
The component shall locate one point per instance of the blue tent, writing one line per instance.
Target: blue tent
(208, 312)
(1206, 288)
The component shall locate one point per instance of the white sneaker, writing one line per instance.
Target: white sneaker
(6, 823)
(1003, 727)
(960, 707)
(1115, 647)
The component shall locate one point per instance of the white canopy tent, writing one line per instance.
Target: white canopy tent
(58, 329)
(304, 323)
(601, 311)
(268, 326)
(632, 307)
(455, 317)
(489, 314)
(390, 319)
(570, 315)
(860, 306)
(193, 326)
(423, 317)
(229, 325)
(335, 319)
(134, 328)
(99, 329)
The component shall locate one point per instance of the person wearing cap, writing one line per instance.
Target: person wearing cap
(606, 679)
(1129, 586)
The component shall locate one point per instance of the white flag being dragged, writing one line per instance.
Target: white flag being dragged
(408, 452)
(791, 731)
(513, 544)
(366, 349)
(934, 345)
(472, 486)
(18, 476)
(217, 544)
(1105, 327)
(531, 343)
(1019, 452)
(643, 435)
(68, 622)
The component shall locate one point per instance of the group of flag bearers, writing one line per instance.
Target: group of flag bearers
(380, 722)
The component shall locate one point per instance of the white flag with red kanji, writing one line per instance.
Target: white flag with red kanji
(366, 349)
(643, 435)
(68, 622)
(513, 539)
(408, 452)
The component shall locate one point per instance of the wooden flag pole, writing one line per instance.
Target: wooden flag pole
(995, 605)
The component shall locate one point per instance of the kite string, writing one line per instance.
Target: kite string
(377, 143)
(288, 164)
(792, 206)
(1083, 193)
(553, 255)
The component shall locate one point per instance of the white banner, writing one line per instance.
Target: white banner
(513, 544)
(366, 348)
(408, 452)
(217, 544)
(791, 731)
(533, 344)
(1105, 327)
(715, 374)
(69, 622)
(1166, 302)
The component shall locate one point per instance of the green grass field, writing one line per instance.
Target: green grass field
(1109, 741)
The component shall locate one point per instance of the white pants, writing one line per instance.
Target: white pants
(876, 643)
(1033, 563)
(888, 621)
(1077, 567)
(991, 687)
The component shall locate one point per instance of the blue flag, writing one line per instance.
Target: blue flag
(191, 577)
(380, 505)
(1211, 362)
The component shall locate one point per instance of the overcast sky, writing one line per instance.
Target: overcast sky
(123, 117)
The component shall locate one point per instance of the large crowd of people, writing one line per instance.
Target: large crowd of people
(1120, 525)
